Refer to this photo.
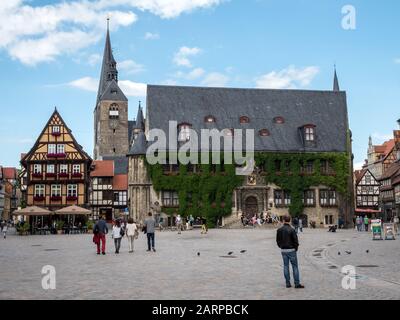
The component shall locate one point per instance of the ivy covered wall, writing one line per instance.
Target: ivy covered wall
(209, 192)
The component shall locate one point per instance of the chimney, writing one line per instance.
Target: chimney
(398, 122)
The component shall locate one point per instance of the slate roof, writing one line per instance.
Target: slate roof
(120, 164)
(113, 92)
(131, 125)
(139, 147)
(391, 171)
(327, 110)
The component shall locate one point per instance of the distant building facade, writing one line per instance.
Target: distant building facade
(9, 192)
(108, 189)
(56, 169)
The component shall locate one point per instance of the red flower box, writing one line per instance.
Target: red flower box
(56, 134)
(38, 198)
(72, 198)
(77, 175)
(56, 155)
(37, 175)
(63, 175)
(50, 175)
(55, 198)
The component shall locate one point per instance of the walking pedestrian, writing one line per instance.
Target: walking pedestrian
(149, 228)
(131, 233)
(396, 224)
(301, 225)
(366, 223)
(296, 224)
(178, 222)
(358, 223)
(204, 229)
(5, 228)
(287, 241)
(100, 230)
(117, 234)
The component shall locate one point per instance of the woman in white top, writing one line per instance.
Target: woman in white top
(117, 236)
(131, 233)
(5, 230)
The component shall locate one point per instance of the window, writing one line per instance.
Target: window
(228, 132)
(209, 119)
(309, 133)
(51, 149)
(76, 168)
(170, 198)
(56, 190)
(60, 149)
(279, 120)
(278, 195)
(50, 168)
(184, 132)
(264, 133)
(39, 190)
(63, 168)
(308, 167)
(244, 119)
(327, 198)
(37, 168)
(309, 198)
(329, 219)
(114, 112)
(367, 179)
(72, 190)
(287, 199)
(55, 129)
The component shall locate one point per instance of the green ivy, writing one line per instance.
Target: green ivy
(209, 192)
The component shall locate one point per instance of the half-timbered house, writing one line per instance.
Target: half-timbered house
(367, 193)
(56, 168)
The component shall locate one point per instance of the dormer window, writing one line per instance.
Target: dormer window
(229, 132)
(309, 133)
(264, 133)
(244, 119)
(209, 119)
(279, 120)
(184, 132)
(114, 112)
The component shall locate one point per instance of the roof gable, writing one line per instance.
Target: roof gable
(46, 138)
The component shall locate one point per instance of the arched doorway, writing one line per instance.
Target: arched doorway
(251, 207)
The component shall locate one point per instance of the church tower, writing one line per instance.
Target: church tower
(111, 112)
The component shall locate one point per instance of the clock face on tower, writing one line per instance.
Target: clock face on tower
(113, 123)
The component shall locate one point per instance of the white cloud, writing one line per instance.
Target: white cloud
(166, 9)
(215, 79)
(86, 83)
(94, 59)
(130, 66)
(130, 88)
(288, 78)
(134, 89)
(192, 75)
(151, 36)
(25, 25)
(181, 58)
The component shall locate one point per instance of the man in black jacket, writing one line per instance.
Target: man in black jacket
(286, 238)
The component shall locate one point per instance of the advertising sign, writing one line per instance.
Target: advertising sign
(376, 226)
(388, 229)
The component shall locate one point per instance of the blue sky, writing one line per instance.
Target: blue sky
(50, 56)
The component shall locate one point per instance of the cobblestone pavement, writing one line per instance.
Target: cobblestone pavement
(176, 272)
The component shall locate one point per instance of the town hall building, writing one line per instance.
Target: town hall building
(302, 150)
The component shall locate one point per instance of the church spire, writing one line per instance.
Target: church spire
(109, 70)
(139, 124)
(336, 87)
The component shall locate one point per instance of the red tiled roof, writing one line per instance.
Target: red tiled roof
(10, 173)
(385, 148)
(120, 182)
(102, 168)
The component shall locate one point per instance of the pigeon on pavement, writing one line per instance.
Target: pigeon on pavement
(230, 253)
